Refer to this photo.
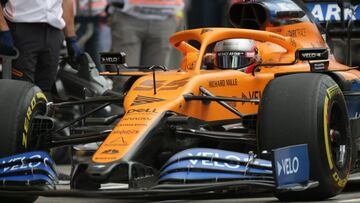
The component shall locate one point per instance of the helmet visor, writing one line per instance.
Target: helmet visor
(233, 60)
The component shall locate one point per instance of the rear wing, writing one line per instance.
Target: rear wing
(334, 16)
(330, 17)
(341, 21)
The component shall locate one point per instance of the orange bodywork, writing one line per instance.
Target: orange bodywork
(143, 108)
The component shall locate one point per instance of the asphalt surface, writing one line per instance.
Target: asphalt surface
(350, 194)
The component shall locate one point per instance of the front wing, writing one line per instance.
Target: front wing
(190, 173)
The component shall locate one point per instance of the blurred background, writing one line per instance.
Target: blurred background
(94, 33)
(94, 16)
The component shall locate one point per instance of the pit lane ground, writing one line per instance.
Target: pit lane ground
(349, 195)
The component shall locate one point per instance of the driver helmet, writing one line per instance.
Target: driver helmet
(238, 54)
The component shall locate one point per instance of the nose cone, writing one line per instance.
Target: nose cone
(136, 175)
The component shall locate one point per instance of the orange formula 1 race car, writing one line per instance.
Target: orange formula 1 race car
(248, 109)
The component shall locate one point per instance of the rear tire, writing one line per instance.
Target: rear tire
(308, 108)
(20, 102)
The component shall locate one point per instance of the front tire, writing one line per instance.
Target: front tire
(20, 102)
(308, 109)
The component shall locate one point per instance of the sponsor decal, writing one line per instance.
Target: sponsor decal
(126, 132)
(217, 83)
(148, 110)
(161, 85)
(217, 159)
(173, 85)
(110, 151)
(112, 58)
(231, 53)
(288, 166)
(291, 164)
(301, 32)
(148, 85)
(137, 119)
(215, 163)
(311, 55)
(24, 164)
(231, 156)
(119, 141)
(223, 83)
(107, 60)
(319, 66)
(139, 100)
(105, 158)
(131, 124)
(293, 42)
(332, 12)
(251, 95)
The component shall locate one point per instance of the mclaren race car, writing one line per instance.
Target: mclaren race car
(290, 125)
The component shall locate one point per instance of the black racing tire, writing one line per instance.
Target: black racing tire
(308, 109)
(20, 102)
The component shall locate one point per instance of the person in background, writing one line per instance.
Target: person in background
(141, 29)
(37, 30)
(93, 33)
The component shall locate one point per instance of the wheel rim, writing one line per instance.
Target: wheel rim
(338, 135)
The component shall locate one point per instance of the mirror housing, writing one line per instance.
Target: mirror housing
(317, 57)
(112, 58)
(312, 54)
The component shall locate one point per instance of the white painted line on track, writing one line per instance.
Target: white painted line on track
(109, 186)
(355, 176)
(350, 200)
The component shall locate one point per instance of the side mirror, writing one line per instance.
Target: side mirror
(112, 58)
(312, 54)
(320, 57)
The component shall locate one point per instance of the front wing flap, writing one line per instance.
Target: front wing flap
(199, 171)
(28, 171)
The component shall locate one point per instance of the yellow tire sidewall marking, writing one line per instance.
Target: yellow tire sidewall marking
(326, 133)
(331, 91)
(35, 100)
